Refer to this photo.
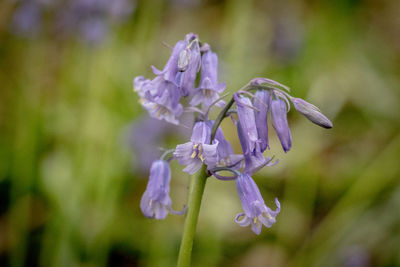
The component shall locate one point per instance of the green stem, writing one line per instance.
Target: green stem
(197, 185)
(196, 191)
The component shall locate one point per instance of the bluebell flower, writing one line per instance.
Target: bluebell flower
(226, 156)
(280, 123)
(253, 159)
(311, 112)
(262, 102)
(247, 121)
(186, 78)
(208, 90)
(198, 151)
(164, 103)
(256, 213)
(156, 202)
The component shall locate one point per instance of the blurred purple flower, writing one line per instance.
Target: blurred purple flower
(156, 202)
(209, 88)
(192, 154)
(27, 19)
(255, 212)
(90, 20)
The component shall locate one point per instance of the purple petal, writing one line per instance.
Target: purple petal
(183, 153)
(280, 123)
(193, 166)
(201, 133)
(247, 121)
(262, 102)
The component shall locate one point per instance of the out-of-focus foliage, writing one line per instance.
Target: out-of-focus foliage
(70, 184)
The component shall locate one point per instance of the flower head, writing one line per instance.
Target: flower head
(255, 212)
(262, 102)
(156, 202)
(209, 88)
(192, 154)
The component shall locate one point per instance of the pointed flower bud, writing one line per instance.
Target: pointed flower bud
(280, 123)
(262, 102)
(247, 123)
(198, 151)
(256, 213)
(311, 112)
(156, 202)
(209, 88)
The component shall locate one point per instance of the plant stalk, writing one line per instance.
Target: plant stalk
(196, 190)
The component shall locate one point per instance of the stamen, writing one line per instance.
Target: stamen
(194, 154)
(201, 157)
(256, 222)
(266, 215)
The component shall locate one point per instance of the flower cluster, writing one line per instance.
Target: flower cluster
(256, 103)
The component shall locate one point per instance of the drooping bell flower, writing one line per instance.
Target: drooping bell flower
(198, 151)
(170, 70)
(156, 202)
(311, 112)
(226, 156)
(208, 90)
(253, 159)
(262, 102)
(256, 213)
(187, 76)
(247, 123)
(162, 100)
(280, 123)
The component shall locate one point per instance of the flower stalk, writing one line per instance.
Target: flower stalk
(196, 190)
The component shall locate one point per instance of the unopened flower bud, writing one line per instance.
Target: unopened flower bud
(312, 113)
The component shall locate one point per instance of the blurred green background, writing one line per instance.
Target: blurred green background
(73, 166)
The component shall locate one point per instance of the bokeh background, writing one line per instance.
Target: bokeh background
(75, 145)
